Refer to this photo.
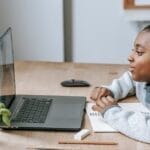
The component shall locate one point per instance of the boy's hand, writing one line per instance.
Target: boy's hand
(99, 92)
(104, 103)
(103, 98)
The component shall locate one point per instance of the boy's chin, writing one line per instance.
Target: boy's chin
(138, 79)
(135, 77)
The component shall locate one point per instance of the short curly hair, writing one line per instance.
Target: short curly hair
(147, 28)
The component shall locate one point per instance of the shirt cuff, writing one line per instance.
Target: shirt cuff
(108, 108)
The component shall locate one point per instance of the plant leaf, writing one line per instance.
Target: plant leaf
(2, 105)
(6, 119)
(5, 111)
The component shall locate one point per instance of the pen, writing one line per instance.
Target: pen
(42, 148)
(88, 142)
(50, 148)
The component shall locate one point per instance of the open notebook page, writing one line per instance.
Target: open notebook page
(97, 122)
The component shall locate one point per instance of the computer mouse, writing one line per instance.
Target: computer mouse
(75, 83)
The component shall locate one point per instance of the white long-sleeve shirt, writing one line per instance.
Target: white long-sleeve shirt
(133, 124)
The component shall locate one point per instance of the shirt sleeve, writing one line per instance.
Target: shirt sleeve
(122, 87)
(135, 125)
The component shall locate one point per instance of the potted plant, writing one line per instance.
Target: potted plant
(4, 114)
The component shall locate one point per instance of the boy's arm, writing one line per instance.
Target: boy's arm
(122, 87)
(133, 124)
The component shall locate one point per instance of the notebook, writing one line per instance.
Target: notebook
(35, 112)
(99, 125)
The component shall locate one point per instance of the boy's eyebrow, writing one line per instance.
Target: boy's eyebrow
(139, 46)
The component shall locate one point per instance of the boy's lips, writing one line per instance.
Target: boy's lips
(131, 68)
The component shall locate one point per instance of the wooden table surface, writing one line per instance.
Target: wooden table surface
(44, 78)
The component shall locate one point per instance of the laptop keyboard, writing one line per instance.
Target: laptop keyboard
(33, 110)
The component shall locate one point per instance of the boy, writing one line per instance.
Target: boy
(135, 81)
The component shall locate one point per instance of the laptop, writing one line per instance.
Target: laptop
(35, 112)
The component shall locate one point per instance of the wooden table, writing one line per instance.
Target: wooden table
(44, 78)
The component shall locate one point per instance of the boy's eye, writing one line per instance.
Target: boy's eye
(139, 53)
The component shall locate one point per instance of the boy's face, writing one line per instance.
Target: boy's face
(140, 57)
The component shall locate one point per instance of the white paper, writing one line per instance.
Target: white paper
(142, 2)
(96, 120)
(99, 125)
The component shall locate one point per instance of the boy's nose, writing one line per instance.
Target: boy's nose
(130, 58)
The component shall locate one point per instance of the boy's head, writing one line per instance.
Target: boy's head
(140, 57)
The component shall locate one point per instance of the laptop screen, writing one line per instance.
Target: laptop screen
(7, 78)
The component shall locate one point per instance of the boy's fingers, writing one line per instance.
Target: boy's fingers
(92, 95)
(105, 100)
(96, 108)
(110, 99)
(95, 93)
(100, 103)
(99, 92)
(103, 92)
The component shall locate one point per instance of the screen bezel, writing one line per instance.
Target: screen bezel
(7, 99)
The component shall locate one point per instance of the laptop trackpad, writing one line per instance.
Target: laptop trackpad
(65, 114)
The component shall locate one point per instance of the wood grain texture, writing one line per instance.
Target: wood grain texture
(44, 78)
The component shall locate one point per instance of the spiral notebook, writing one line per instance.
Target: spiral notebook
(99, 125)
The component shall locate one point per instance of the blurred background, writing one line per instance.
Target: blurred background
(89, 31)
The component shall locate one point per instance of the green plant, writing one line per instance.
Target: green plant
(4, 114)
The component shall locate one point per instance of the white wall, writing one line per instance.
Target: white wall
(101, 33)
(37, 28)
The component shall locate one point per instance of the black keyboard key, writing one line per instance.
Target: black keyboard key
(33, 111)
